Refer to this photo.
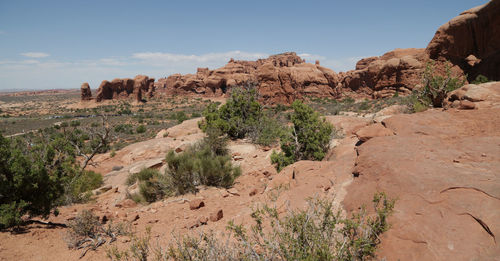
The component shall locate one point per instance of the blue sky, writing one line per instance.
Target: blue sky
(60, 44)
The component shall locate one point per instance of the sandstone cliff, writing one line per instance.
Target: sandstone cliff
(471, 41)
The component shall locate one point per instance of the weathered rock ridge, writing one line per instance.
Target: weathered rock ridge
(279, 79)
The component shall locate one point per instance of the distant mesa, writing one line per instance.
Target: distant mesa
(471, 42)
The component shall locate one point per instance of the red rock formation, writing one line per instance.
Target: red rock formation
(398, 70)
(123, 88)
(279, 79)
(471, 41)
(86, 93)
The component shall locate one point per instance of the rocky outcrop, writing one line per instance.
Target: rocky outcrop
(471, 41)
(279, 79)
(443, 169)
(86, 93)
(396, 71)
(123, 88)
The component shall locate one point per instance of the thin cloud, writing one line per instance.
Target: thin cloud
(35, 54)
(51, 73)
(338, 64)
(311, 57)
(160, 57)
(112, 62)
(342, 64)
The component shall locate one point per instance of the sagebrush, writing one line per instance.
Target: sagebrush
(319, 232)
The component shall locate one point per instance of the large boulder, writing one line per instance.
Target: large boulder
(471, 41)
(486, 95)
(86, 93)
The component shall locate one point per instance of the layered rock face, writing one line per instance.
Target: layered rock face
(397, 70)
(472, 41)
(123, 88)
(279, 79)
(86, 93)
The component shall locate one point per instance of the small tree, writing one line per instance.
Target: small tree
(237, 116)
(39, 171)
(436, 87)
(89, 141)
(307, 139)
(31, 178)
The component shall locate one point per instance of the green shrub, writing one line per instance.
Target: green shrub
(480, 79)
(419, 107)
(281, 160)
(80, 187)
(143, 175)
(364, 105)
(236, 118)
(436, 87)
(307, 139)
(39, 170)
(152, 185)
(180, 116)
(205, 163)
(31, 178)
(266, 131)
(317, 233)
(195, 115)
(75, 123)
(140, 129)
(181, 172)
(125, 111)
(242, 116)
(124, 128)
(152, 189)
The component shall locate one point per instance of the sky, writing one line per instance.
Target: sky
(61, 44)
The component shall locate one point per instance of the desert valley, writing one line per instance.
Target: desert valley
(275, 158)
